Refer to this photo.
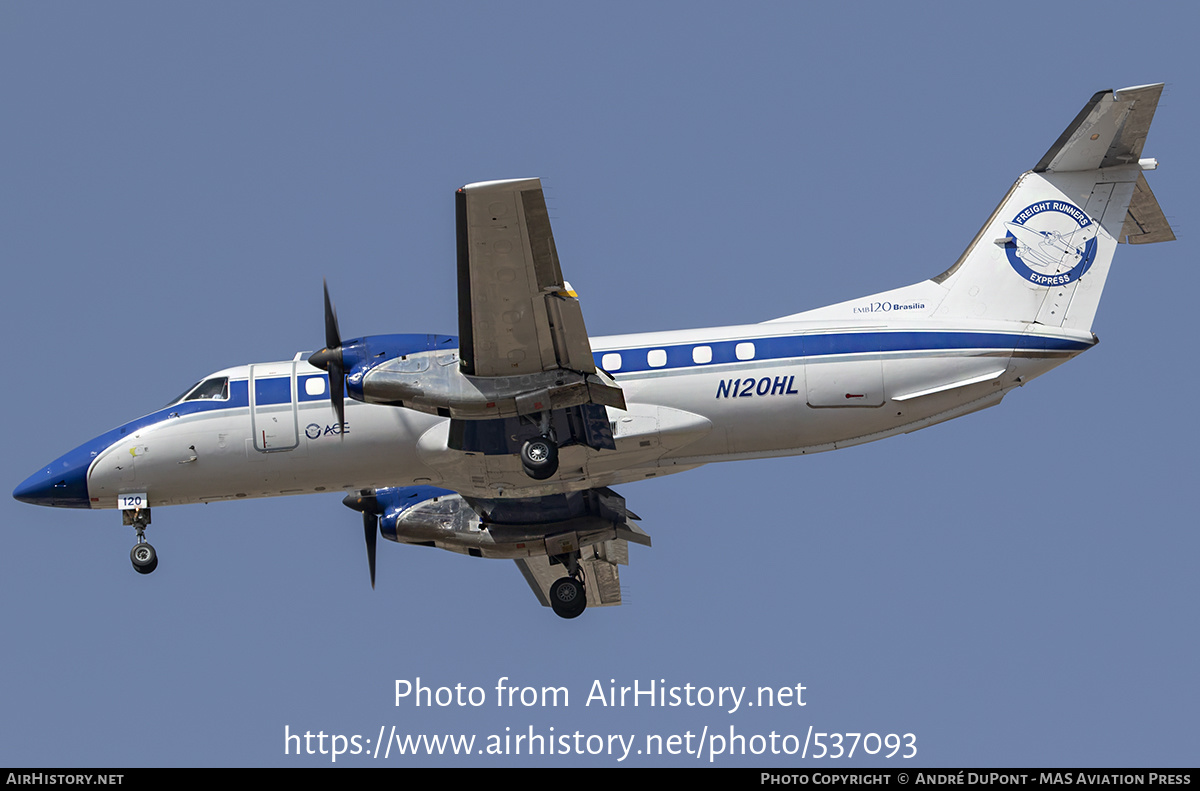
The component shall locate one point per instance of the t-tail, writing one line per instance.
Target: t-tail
(1044, 254)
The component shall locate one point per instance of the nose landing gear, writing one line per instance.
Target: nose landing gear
(143, 556)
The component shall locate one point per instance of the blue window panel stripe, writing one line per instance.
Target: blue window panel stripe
(819, 345)
(239, 395)
(273, 391)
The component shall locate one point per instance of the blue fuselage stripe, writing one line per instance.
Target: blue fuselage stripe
(820, 345)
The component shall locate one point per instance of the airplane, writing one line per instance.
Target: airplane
(506, 441)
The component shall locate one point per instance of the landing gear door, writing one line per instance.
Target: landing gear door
(273, 412)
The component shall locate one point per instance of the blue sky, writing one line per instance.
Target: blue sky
(1014, 588)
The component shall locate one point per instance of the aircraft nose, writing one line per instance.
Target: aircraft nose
(62, 483)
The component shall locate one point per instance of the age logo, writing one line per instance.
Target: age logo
(1053, 243)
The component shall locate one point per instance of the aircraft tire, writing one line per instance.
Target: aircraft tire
(539, 458)
(144, 558)
(568, 598)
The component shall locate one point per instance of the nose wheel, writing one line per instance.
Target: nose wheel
(145, 559)
(143, 556)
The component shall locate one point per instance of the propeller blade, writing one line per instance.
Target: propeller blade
(371, 532)
(366, 502)
(337, 392)
(333, 338)
(330, 359)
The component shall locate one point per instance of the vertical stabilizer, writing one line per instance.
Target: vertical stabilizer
(1044, 254)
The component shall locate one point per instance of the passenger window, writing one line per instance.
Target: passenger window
(744, 351)
(656, 358)
(702, 354)
(611, 362)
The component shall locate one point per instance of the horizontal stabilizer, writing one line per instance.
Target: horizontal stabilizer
(1145, 222)
(1109, 131)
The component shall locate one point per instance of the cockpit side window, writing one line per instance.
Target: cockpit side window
(181, 396)
(215, 389)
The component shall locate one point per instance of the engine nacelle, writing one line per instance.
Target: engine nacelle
(433, 382)
(360, 355)
(430, 516)
(422, 372)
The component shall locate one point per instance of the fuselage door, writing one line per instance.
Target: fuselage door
(273, 411)
(843, 370)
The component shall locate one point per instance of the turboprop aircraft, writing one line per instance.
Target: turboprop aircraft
(504, 442)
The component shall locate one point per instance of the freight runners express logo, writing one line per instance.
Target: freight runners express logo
(1052, 243)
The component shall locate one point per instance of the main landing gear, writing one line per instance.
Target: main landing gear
(539, 456)
(568, 596)
(143, 556)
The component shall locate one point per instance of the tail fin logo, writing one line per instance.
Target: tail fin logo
(1051, 243)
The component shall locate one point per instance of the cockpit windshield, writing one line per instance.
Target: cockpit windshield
(215, 389)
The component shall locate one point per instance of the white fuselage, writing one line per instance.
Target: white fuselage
(694, 397)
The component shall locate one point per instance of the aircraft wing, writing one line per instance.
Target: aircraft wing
(595, 525)
(516, 313)
(599, 562)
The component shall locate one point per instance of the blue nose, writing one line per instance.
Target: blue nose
(62, 483)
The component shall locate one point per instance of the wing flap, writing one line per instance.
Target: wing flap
(571, 346)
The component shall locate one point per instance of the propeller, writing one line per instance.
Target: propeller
(366, 502)
(330, 359)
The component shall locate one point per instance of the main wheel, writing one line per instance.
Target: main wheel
(145, 559)
(539, 458)
(568, 599)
